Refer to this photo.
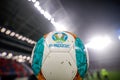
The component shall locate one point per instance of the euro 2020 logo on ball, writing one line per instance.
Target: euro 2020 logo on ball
(59, 37)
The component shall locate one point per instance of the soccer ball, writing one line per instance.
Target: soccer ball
(59, 56)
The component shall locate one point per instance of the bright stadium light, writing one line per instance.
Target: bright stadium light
(36, 4)
(28, 58)
(12, 33)
(52, 21)
(27, 39)
(119, 37)
(16, 35)
(47, 15)
(42, 11)
(20, 37)
(58, 26)
(20, 60)
(32, 42)
(9, 55)
(20, 56)
(24, 57)
(3, 30)
(99, 42)
(4, 54)
(33, 1)
(23, 38)
(8, 32)
(38, 7)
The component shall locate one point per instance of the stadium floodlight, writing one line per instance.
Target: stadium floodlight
(29, 0)
(4, 54)
(12, 34)
(36, 4)
(38, 7)
(8, 32)
(119, 37)
(42, 11)
(32, 42)
(28, 58)
(20, 60)
(23, 38)
(33, 1)
(29, 41)
(9, 55)
(16, 35)
(3, 30)
(24, 57)
(52, 21)
(99, 42)
(20, 56)
(47, 15)
(20, 37)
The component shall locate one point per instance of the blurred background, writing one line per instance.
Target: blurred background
(95, 22)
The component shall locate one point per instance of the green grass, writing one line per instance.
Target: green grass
(113, 75)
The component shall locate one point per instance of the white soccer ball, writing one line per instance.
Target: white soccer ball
(59, 56)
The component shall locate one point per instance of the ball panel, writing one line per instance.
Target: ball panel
(58, 65)
(81, 57)
(37, 56)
